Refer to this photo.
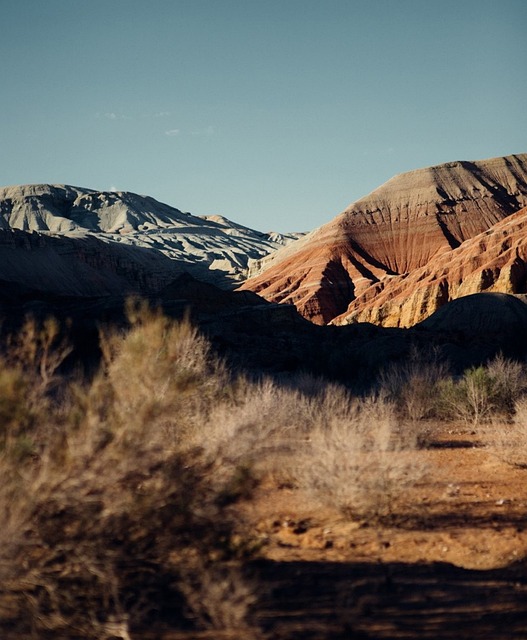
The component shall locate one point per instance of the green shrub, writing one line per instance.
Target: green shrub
(483, 391)
(470, 399)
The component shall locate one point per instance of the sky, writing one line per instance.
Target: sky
(276, 114)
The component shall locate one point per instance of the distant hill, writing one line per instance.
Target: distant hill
(79, 254)
(93, 238)
(492, 261)
(374, 259)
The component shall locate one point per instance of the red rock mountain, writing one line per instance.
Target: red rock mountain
(492, 261)
(353, 268)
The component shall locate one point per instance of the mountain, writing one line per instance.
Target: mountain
(492, 261)
(83, 231)
(413, 221)
(77, 255)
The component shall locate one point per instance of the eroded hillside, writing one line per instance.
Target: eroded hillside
(411, 222)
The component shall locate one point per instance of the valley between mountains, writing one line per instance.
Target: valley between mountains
(392, 258)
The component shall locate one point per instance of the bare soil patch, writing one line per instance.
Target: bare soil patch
(449, 564)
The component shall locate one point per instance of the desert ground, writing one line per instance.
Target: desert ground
(166, 496)
(450, 564)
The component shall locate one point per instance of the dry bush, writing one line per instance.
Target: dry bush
(220, 597)
(413, 388)
(118, 497)
(39, 350)
(508, 438)
(509, 380)
(260, 428)
(422, 388)
(412, 385)
(359, 459)
(163, 374)
(15, 415)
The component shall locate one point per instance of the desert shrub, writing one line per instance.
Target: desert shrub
(508, 438)
(413, 388)
(412, 385)
(104, 522)
(162, 373)
(220, 597)
(469, 399)
(38, 349)
(509, 381)
(15, 417)
(359, 458)
(255, 423)
(483, 391)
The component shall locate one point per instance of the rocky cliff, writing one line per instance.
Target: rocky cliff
(492, 261)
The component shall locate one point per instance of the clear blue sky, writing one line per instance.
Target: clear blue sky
(276, 113)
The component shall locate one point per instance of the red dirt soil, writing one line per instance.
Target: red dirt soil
(450, 565)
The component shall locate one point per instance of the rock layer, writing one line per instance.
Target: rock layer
(492, 261)
(413, 220)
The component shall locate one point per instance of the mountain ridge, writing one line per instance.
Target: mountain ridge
(210, 247)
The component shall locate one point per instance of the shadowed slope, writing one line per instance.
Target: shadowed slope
(212, 248)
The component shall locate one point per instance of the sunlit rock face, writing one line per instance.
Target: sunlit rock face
(492, 261)
(349, 269)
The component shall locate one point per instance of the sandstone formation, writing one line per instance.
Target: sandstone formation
(211, 248)
(414, 220)
(492, 261)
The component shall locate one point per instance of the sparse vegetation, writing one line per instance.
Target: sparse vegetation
(108, 496)
(412, 385)
(118, 494)
(483, 392)
(508, 438)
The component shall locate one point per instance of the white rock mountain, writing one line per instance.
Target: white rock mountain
(91, 242)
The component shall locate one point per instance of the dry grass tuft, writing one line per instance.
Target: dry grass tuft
(359, 458)
(220, 598)
(508, 438)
